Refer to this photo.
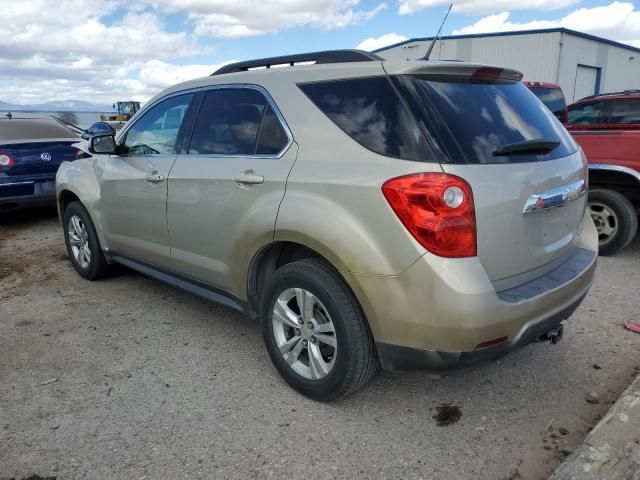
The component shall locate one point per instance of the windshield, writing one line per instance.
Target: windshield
(470, 120)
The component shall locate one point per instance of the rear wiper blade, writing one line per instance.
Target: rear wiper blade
(540, 146)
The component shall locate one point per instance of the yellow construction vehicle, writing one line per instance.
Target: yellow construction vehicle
(125, 112)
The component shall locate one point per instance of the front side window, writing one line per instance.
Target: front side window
(586, 114)
(237, 121)
(157, 130)
(370, 111)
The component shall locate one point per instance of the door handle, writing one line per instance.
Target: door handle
(248, 177)
(153, 177)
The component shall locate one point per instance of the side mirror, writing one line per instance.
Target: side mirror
(102, 144)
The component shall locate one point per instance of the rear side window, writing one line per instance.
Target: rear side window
(237, 122)
(473, 120)
(587, 114)
(625, 111)
(370, 111)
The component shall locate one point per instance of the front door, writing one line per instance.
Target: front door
(134, 183)
(225, 192)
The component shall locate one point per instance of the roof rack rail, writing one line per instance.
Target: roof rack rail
(624, 92)
(327, 56)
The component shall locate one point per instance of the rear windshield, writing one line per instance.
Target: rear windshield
(33, 128)
(471, 119)
(553, 99)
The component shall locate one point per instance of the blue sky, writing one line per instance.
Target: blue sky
(105, 50)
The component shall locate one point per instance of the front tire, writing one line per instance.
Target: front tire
(615, 218)
(315, 332)
(82, 243)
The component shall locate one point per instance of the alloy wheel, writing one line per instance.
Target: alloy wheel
(79, 241)
(304, 333)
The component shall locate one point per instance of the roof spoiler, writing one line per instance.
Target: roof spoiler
(326, 56)
(453, 69)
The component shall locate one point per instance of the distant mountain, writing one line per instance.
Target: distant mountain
(59, 106)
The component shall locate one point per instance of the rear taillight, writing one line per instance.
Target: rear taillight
(437, 208)
(6, 160)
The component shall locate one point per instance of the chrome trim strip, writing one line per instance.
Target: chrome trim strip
(556, 197)
(121, 135)
(615, 168)
(16, 183)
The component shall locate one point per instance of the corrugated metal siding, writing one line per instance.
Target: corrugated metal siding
(535, 55)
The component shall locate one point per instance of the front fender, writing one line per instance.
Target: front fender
(80, 178)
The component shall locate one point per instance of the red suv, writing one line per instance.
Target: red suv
(607, 127)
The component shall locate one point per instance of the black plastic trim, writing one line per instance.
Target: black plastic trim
(195, 287)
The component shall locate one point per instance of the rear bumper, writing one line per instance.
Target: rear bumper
(437, 313)
(10, 203)
(394, 357)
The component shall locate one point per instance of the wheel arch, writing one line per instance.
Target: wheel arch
(621, 179)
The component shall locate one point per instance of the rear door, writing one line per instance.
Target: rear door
(480, 124)
(134, 183)
(225, 190)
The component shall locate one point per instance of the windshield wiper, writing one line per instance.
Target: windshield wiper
(541, 147)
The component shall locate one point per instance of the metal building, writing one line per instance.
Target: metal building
(581, 64)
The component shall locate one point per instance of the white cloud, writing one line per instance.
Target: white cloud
(618, 21)
(373, 43)
(247, 18)
(407, 7)
(74, 54)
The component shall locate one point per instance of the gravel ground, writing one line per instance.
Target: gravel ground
(127, 378)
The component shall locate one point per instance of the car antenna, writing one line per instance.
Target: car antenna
(435, 39)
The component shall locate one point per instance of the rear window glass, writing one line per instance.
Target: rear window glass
(370, 111)
(471, 119)
(33, 128)
(553, 99)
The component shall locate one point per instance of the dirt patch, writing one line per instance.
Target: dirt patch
(24, 323)
(29, 253)
(447, 415)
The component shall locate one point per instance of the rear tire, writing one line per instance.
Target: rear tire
(82, 243)
(310, 364)
(615, 218)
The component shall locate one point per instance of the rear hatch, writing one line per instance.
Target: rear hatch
(527, 175)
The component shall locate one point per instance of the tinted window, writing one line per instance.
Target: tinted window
(625, 111)
(370, 111)
(229, 123)
(553, 99)
(470, 119)
(157, 130)
(586, 114)
(33, 128)
(273, 137)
